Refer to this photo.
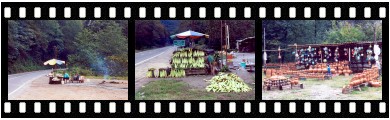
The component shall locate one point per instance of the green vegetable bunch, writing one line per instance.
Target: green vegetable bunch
(177, 73)
(227, 83)
(163, 73)
(149, 74)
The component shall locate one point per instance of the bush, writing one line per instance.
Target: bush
(81, 71)
(25, 66)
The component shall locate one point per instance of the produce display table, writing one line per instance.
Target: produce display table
(250, 67)
(279, 82)
(202, 71)
(358, 67)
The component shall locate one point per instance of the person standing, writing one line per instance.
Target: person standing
(210, 59)
(379, 67)
(66, 77)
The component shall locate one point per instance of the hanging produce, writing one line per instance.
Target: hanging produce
(188, 58)
(345, 52)
(327, 53)
(336, 54)
(369, 54)
(307, 57)
(357, 53)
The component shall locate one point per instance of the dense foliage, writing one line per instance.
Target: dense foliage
(285, 32)
(156, 33)
(91, 47)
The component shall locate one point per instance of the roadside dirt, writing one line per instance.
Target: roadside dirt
(40, 89)
(322, 90)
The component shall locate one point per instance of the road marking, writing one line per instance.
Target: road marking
(24, 84)
(151, 57)
(149, 50)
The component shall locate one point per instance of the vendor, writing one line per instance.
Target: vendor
(210, 59)
(329, 72)
(66, 76)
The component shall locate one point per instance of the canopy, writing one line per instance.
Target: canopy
(53, 62)
(190, 34)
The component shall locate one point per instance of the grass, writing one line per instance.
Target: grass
(178, 90)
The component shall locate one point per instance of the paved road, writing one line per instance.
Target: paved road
(144, 56)
(17, 81)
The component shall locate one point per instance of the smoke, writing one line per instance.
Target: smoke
(100, 65)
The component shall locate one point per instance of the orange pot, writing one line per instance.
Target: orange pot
(369, 82)
(354, 83)
(351, 84)
(376, 84)
(365, 80)
(361, 81)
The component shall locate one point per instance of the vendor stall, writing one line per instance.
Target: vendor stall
(359, 54)
(246, 44)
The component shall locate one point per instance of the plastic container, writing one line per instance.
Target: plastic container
(243, 65)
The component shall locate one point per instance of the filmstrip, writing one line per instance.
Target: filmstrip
(191, 95)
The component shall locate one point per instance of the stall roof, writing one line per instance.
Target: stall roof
(248, 38)
(335, 44)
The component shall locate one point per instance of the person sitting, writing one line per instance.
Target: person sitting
(66, 77)
(76, 77)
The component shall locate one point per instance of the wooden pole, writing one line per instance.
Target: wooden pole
(55, 56)
(226, 44)
(374, 32)
(264, 61)
(321, 55)
(349, 54)
(221, 46)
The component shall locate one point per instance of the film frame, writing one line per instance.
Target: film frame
(196, 108)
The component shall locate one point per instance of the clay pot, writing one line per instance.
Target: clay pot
(365, 80)
(370, 82)
(376, 84)
(354, 83)
(357, 76)
(295, 82)
(351, 83)
(346, 74)
(361, 81)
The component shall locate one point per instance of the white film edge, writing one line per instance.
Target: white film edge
(194, 108)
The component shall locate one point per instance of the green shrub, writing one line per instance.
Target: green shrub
(25, 66)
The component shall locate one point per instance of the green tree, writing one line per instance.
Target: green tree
(345, 33)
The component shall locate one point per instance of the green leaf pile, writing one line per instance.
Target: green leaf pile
(227, 83)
